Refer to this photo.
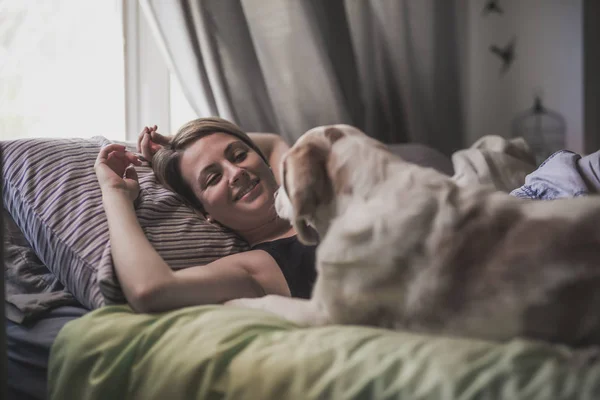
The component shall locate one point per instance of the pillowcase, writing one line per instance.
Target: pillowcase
(51, 192)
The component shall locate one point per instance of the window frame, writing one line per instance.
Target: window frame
(147, 78)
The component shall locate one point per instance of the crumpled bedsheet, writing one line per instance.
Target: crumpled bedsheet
(219, 352)
(494, 161)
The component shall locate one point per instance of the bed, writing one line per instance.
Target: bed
(70, 336)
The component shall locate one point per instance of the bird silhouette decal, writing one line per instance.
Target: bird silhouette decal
(492, 7)
(506, 54)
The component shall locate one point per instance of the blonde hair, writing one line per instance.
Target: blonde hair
(166, 161)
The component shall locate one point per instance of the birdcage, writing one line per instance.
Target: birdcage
(543, 129)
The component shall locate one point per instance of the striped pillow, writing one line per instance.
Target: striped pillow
(52, 193)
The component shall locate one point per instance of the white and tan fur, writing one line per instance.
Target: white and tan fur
(404, 247)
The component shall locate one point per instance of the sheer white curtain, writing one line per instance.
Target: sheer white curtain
(61, 69)
(389, 67)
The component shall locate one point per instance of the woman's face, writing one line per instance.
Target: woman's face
(233, 183)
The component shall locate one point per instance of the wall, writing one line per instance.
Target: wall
(549, 56)
(591, 66)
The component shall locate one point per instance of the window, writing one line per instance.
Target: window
(61, 69)
(154, 97)
(72, 68)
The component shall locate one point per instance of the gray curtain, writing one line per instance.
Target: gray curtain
(389, 67)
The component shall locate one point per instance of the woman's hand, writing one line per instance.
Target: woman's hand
(115, 172)
(150, 141)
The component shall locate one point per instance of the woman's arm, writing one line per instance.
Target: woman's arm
(273, 147)
(150, 285)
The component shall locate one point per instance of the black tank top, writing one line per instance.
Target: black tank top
(296, 261)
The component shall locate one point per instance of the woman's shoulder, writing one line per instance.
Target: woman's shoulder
(276, 243)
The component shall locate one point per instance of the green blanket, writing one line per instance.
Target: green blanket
(214, 352)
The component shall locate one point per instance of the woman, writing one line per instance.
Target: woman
(223, 174)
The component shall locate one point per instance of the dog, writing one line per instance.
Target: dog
(404, 247)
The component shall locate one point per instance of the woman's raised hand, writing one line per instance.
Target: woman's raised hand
(150, 141)
(114, 170)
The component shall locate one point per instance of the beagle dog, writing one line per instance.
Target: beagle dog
(405, 247)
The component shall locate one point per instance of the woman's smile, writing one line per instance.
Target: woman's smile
(250, 192)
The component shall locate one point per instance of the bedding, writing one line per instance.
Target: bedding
(28, 348)
(51, 192)
(564, 174)
(54, 199)
(495, 161)
(34, 292)
(225, 352)
(31, 290)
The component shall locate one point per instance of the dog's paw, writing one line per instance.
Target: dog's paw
(259, 303)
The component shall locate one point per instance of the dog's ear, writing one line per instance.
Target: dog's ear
(333, 134)
(310, 183)
(306, 234)
(307, 185)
